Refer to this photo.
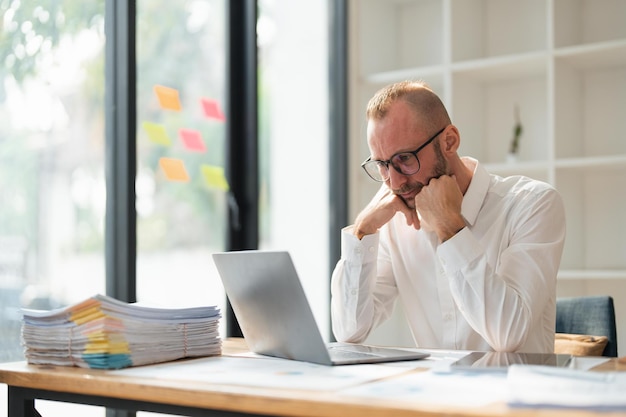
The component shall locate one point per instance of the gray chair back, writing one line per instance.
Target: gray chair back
(590, 315)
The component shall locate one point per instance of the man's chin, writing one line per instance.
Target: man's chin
(410, 202)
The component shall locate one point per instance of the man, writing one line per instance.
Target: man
(472, 257)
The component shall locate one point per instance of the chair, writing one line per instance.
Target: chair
(589, 315)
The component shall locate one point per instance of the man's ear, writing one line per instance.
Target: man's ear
(450, 140)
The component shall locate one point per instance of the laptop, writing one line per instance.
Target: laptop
(275, 317)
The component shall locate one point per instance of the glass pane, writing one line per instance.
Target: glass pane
(181, 197)
(293, 94)
(52, 203)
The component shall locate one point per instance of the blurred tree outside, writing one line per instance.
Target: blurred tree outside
(50, 60)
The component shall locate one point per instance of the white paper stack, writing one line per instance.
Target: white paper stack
(102, 332)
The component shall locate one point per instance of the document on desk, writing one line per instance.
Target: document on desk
(265, 372)
(542, 386)
(438, 387)
(519, 386)
(102, 332)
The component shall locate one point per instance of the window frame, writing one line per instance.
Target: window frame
(242, 138)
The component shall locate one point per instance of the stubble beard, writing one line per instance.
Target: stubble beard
(440, 168)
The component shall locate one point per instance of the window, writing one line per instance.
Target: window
(52, 153)
(52, 204)
(181, 207)
(293, 74)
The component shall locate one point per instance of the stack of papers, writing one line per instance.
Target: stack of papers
(102, 332)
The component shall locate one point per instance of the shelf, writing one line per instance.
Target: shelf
(388, 77)
(560, 63)
(505, 67)
(596, 163)
(593, 274)
(588, 164)
(593, 56)
(513, 168)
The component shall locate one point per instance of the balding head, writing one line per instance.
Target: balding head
(430, 113)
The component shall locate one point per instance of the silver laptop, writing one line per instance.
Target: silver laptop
(275, 317)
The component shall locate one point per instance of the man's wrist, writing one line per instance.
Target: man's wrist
(359, 231)
(450, 233)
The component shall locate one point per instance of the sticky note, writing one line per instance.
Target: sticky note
(192, 139)
(214, 177)
(174, 169)
(212, 109)
(156, 133)
(168, 97)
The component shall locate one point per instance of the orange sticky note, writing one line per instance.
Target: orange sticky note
(214, 177)
(212, 109)
(168, 97)
(174, 169)
(156, 133)
(192, 139)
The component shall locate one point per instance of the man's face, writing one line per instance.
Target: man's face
(400, 132)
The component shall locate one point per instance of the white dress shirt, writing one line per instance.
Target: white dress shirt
(492, 286)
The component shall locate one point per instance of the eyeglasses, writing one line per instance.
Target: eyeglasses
(406, 163)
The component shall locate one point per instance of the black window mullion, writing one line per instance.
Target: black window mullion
(120, 155)
(121, 150)
(242, 135)
(338, 126)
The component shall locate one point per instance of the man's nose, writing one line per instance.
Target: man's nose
(396, 179)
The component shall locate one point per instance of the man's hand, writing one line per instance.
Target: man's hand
(439, 205)
(383, 206)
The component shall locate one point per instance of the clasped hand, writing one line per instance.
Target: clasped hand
(438, 204)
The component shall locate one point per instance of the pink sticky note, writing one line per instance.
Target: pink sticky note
(212, 109)
(174, 169)
(192, 139)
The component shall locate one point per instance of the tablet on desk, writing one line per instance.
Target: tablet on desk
(502, 360)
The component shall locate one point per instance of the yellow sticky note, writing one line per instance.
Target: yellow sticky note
(214, 177)
(174, 169)
(168, 97)
(156, 133)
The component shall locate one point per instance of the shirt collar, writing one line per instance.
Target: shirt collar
(476, 192)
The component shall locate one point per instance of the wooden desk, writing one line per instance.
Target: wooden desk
(192, 398)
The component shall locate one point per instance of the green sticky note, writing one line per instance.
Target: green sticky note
(157, 133)
(214, 177)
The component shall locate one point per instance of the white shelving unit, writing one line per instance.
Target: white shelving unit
(562, 63)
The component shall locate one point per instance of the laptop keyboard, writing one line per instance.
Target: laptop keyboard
(343, 353)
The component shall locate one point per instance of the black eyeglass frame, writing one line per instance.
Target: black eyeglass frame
(389, 161)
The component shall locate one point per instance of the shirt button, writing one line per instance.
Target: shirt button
(353, 292)
(371, 249)
(447, 317)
